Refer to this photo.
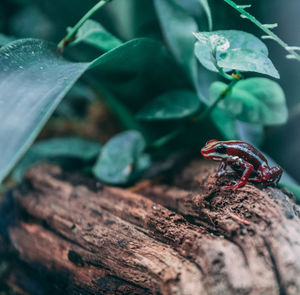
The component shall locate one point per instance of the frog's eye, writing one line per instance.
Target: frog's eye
(221, 149)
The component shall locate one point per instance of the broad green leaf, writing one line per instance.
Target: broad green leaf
(34, 78)
(255, 100)
(233, 50)
(177, 27)
(57, 149)
(171, 105)
(122, 158)
(93, 33)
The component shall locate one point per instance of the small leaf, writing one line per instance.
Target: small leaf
(233, 50)
(171, 105)
(255, 100)
(57, 149)
(93, 33)
(248, 61)
(122, 159)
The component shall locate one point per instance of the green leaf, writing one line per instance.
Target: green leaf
(177, 27)
(93, 33)
(171, 105)
(255, 100)
(57, 149)
(122, 159)
(233, 50)
(246, 60)
(34, 78)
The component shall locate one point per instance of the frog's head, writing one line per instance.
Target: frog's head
(215, 150)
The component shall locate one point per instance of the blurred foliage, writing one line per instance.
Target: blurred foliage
(140, 69)
(68, 152)
(141, 61)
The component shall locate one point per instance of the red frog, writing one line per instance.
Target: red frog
(244, 159)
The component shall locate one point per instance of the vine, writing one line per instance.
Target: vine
(267, 29)
(69, 37)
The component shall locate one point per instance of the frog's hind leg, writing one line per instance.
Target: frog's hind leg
(276, 173)
(257, 179)
(246, 174)
(222, 170)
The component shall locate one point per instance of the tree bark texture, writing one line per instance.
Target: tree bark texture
(184, 235)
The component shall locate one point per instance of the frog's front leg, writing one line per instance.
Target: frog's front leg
(246, 174)
(222, 169)
(257, 179)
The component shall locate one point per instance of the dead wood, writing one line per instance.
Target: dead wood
(186, 237)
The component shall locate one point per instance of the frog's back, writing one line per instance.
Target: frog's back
(246, 152)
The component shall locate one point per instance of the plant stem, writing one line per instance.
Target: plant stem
(222, 95)
(166, 138)
(240, 8)
(73, 30)
(220, 70)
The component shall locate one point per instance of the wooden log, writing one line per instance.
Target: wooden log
(69, 232)
(187, 237)
(262, 222)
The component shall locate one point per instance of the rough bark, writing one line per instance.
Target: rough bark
(186, 237)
